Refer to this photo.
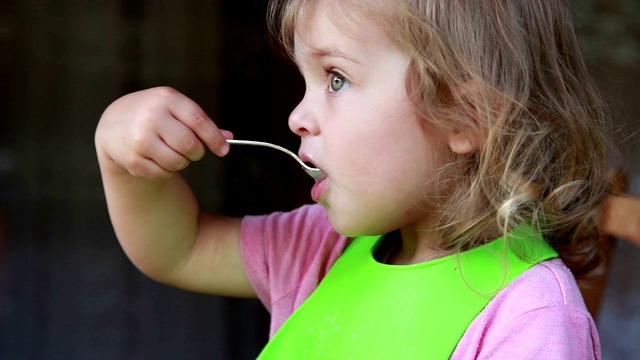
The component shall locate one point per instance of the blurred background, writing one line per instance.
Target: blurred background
(66, 289)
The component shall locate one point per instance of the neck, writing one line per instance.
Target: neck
(415, 247)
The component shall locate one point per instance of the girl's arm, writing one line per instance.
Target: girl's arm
(142, 141)
(622, 217)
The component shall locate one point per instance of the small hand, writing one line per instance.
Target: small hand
(155, 132)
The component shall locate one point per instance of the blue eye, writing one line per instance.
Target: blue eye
(338, 82)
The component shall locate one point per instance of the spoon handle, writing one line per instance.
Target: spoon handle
(313, 172)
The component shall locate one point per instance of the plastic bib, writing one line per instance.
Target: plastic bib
(363, 309)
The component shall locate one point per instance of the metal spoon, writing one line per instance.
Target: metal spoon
(313, 172)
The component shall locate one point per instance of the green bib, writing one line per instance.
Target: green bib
(364, 309)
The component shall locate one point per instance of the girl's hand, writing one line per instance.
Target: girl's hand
(156, 132)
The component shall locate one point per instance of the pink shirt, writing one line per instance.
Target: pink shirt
(540, 314)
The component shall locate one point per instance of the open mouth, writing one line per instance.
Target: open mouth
(311, 168)
(315, 172)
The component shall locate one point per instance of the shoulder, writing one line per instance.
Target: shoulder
(286, 254)
(284, 231)
(540, 314)
(305, 217)
(547, 284)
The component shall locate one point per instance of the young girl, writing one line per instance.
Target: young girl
(462, 151)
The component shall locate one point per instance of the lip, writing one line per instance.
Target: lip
(309, 159)
(320, 185)
(318, 189)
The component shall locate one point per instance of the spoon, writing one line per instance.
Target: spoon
(313, 172)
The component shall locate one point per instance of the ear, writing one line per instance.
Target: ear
(470, 138)
(464, 141)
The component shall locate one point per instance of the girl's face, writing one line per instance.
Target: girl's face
(358, 125)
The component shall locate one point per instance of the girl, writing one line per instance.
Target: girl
(463, 154)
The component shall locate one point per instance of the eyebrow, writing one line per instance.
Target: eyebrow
(332, 52)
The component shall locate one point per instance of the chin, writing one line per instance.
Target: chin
(340, 225)
(343, 226)
(350, 221)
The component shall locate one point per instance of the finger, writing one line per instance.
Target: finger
(181, 139)
(227, 134)
(165, 157)
(151, 157)
(192, 115)
(148, 168)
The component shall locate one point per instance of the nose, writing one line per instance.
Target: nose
(302, 120)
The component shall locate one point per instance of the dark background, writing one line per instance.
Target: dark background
(66, 289)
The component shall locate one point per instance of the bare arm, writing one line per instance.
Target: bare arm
(622, 217)
(142, 141)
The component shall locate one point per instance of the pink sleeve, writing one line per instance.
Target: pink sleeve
(547, 333)
(286, 254)
(540, 315)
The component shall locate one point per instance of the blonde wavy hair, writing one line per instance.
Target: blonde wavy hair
(513, 71)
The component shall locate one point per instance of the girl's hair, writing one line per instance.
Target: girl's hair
(512, 71)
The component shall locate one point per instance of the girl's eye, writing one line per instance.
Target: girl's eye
(337, 82)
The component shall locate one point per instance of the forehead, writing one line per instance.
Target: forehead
(327, 28)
